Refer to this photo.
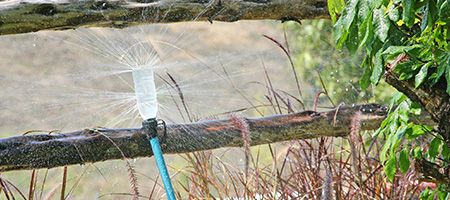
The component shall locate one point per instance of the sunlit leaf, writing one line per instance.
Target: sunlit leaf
(391, 166)
(381, 24)
(349, 14)
(332, 9)
(425, 194)
(416, 153)
(366, 30)
(397, 138)
(338, 30)
(442, 195)
(342, 40)
(415, 109)
(394, 13)
(404, 160)
(414, 131)
(378, 68)
(420, 77)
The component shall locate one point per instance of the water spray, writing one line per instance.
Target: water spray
(147, 103)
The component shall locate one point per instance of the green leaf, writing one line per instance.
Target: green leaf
(332, 10)
(425, 194)
(408, 12)
(397, 138)
(380, 24)
(352, 42)
(447, 75)
(394, 13)
(378, 68)
(366, 30)
(393, 51)
(338, 30)
(443, 195)
(416, 153)
(378, 3)
(429, 16)
(404, 160)
(344, 37)
(364, 8)
(335, 7)
(417, 130)
(349, 14)
(415, 109)
(420, 77)
(445, 151)
(433, 149)
(391, 167)
(444, 10)
(437, 75)
(365, 79)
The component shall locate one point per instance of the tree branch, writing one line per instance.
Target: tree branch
(94, 145)
(432, 172)
(22, 16)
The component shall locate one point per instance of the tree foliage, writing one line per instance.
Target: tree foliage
(420, 31)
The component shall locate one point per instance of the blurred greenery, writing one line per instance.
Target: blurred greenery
(341, 71)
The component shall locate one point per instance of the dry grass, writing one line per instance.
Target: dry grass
(326, 168)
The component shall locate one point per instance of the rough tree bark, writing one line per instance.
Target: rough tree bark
(22, 16)
(94, 145)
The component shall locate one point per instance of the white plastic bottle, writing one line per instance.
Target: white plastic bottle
(144, 87)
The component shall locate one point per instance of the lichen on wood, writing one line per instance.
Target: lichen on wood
(30, 15)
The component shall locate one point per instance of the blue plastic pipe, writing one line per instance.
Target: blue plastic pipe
(150, 127)
(162, 168)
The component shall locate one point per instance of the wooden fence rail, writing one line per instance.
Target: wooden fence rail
(95, 145)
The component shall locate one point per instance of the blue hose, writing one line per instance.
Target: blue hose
(162, 168)
(150, 128)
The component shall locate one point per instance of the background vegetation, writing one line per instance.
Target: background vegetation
(339, 168)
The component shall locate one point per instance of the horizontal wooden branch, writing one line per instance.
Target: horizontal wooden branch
(86, 146)
(22, 16)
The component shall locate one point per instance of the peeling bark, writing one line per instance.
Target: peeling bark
(22, 16)
(94, 145)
